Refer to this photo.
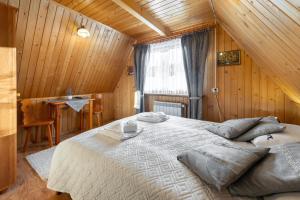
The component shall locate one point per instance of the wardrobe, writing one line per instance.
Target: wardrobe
(8, 99)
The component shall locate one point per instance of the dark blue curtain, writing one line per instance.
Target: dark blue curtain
(195, 49)
(141, 54)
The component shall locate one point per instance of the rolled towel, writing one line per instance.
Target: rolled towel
(129, 126)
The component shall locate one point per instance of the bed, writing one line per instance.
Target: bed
(93, 166)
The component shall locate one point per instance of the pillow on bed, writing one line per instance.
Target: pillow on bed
(267, 125)
(278, 172)
(290, 134)
(233, 128)
(221, 164)
(284, 196)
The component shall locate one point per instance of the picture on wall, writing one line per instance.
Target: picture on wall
(229, 58)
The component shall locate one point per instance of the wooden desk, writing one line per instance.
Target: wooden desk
(57, 106)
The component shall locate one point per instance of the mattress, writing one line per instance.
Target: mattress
(93, 166)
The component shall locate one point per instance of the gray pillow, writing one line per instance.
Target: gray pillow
(278, 172)
(270, 119)
(233, 128)
(221, 164)
(267, 125)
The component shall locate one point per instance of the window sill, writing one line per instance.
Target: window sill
(172, 95)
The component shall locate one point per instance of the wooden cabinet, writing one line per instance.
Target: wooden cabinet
(8, 101)
(7, 28)
(8, 117)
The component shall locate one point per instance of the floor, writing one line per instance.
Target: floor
(29, 186)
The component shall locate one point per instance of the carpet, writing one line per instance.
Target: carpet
(41, 162)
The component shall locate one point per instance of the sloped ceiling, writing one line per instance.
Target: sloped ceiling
(175, 15)
(269, 30)
(51, 57)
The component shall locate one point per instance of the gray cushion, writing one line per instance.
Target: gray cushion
(278, 172)
(267, 125)
(270, 119)
(221, 164)
(233, 128)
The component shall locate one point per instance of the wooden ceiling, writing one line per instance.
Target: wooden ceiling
(51, 57)
(269, 30)
(174, 15)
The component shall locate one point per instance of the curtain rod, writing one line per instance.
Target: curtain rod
(176, 35)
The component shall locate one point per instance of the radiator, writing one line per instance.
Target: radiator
(170, 108)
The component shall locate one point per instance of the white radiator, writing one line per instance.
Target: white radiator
(170, 108)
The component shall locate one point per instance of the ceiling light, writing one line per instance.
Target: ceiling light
(83, 32)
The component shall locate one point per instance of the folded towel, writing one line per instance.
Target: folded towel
(129, 126)
(120, 136)
(152, 117)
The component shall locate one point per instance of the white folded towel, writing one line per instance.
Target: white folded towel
(152, 117)
(122, 131)
(119, 135)
(129, 126)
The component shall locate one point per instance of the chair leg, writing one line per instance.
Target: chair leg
(50, 136)
(98, 119)
(27, 137)
(101, 121)
(36, 134)
(81, 120)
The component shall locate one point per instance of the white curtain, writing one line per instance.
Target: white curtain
(165, 70)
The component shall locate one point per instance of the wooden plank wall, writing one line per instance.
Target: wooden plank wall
(124, 93)
(269, 30)
(124, 96)
(149, 101)
(70, 118)
(51, 57)
(246, 91)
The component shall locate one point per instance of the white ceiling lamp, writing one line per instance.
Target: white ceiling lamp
(83, 32)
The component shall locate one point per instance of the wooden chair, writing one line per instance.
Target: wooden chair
(98, 108)
(30, 121)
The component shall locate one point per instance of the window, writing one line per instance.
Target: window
(165, 70)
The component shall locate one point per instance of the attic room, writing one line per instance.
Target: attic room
(149, 99)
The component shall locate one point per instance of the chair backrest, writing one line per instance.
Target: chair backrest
(34, 110)
(98, 106)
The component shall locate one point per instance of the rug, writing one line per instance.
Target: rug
(41, 162)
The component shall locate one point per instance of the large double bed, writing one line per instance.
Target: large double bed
(94, 166)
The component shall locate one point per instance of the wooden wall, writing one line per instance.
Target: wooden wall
(124, 96)
(124, 93)
(51, 57)
(246, 91)
(149, 101)
(269, 30)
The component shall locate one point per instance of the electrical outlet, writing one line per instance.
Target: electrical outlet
(215, 90)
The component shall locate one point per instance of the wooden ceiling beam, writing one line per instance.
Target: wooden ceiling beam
(141, 14)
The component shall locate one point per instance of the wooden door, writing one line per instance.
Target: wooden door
(8, 117)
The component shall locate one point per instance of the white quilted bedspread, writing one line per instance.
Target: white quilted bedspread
(92, 166)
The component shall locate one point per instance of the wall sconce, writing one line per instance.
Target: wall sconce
(83, 32)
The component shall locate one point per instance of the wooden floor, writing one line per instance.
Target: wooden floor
(29, 186)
